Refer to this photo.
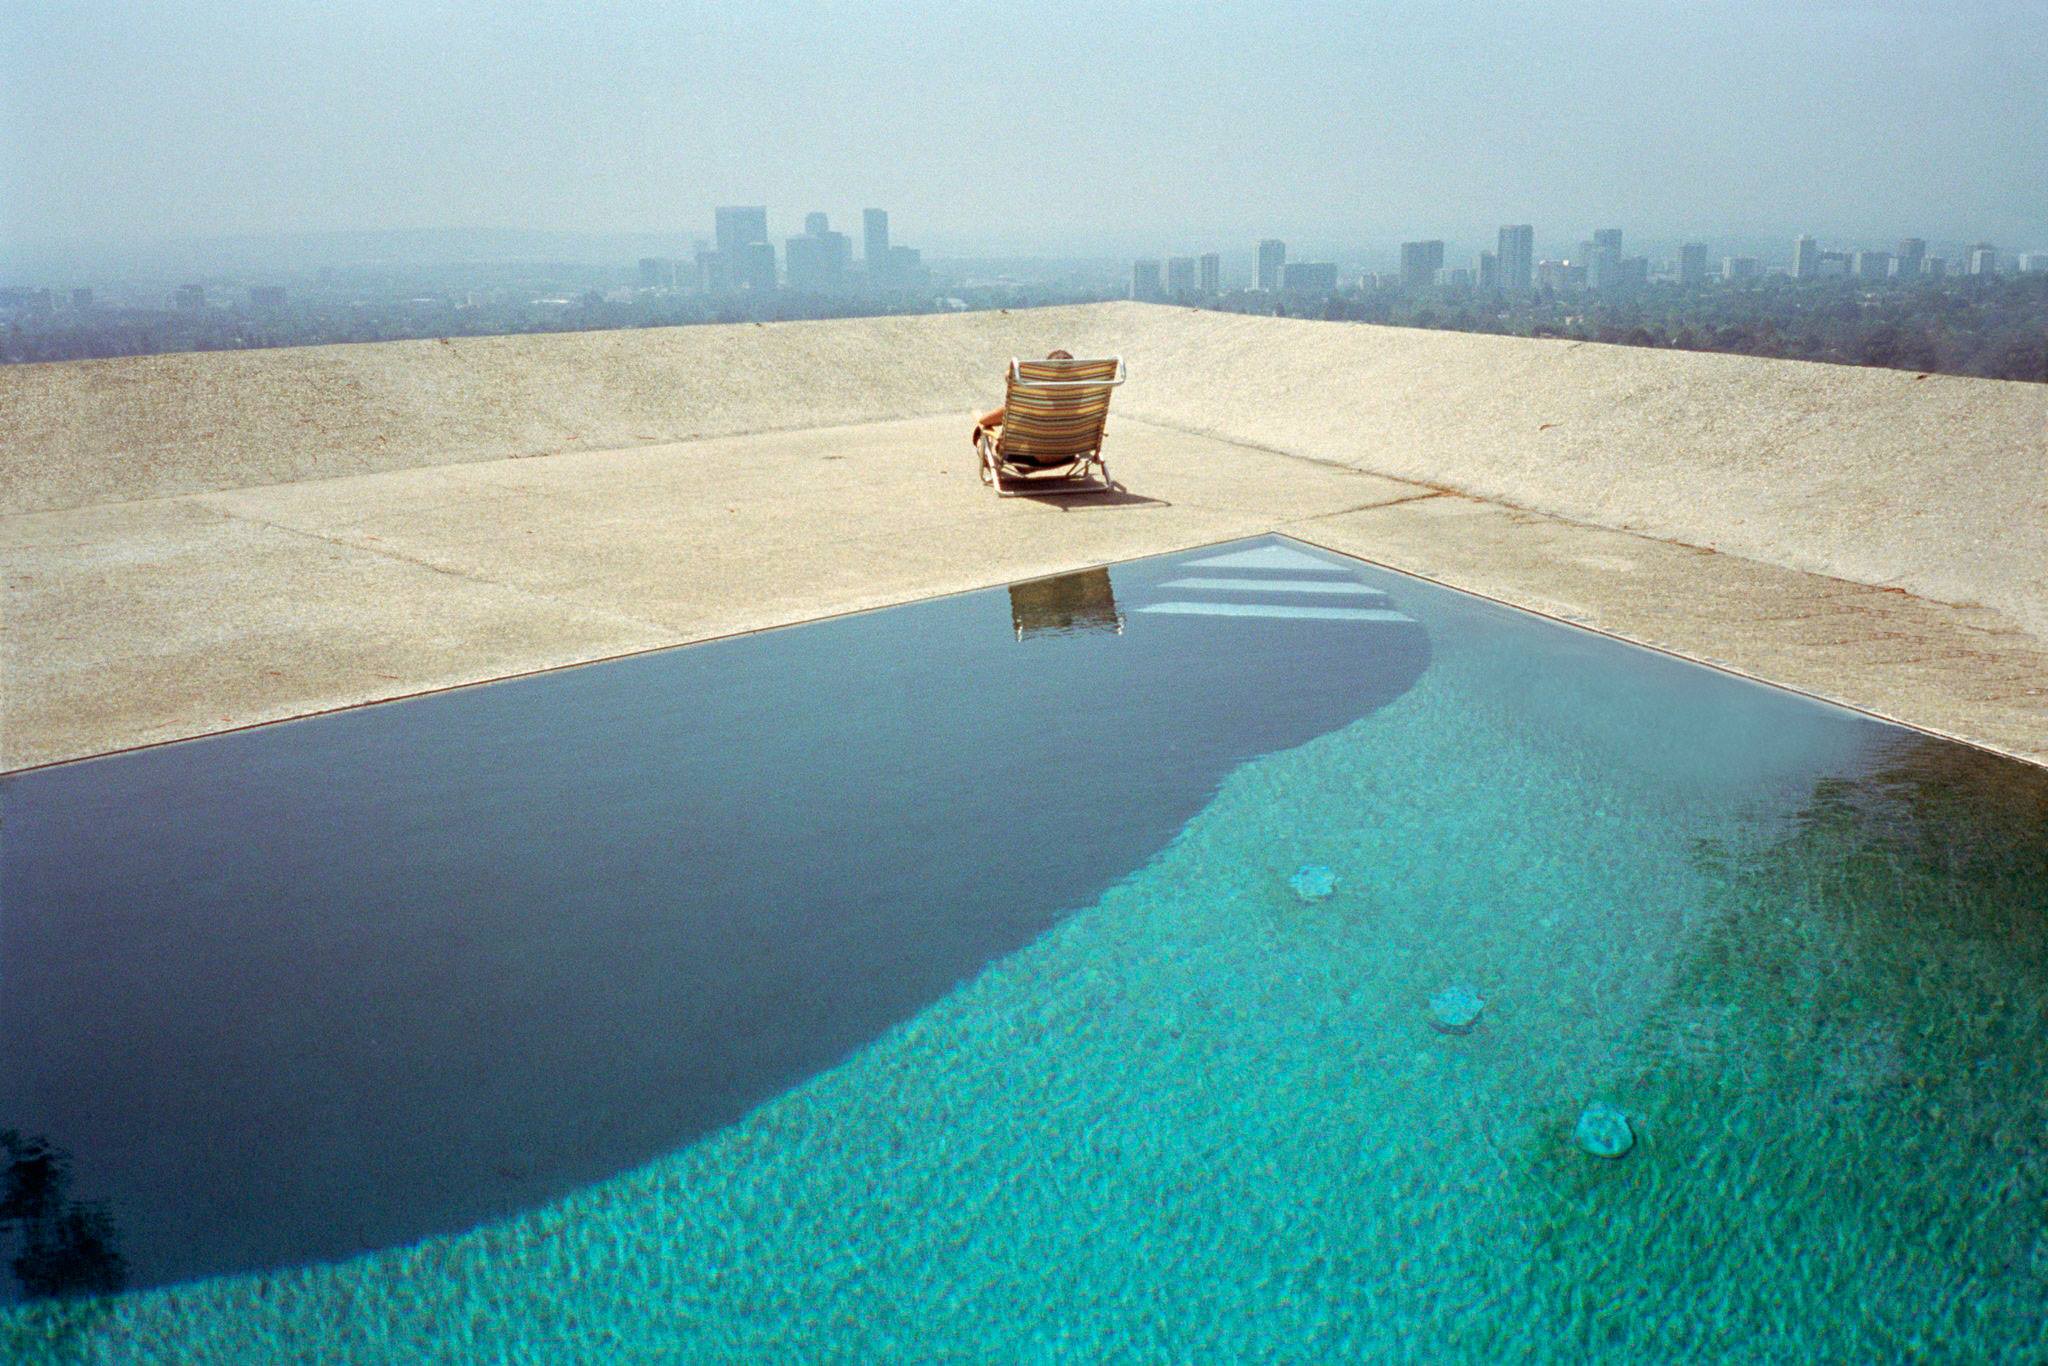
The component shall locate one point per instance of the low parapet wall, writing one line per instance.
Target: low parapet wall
(102, 431)
(1932, 484)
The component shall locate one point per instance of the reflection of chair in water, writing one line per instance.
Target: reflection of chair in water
(1065, 604)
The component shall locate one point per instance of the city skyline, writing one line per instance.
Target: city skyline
(740, 258)
(299, 253)
(1599, 262)
(1609, 287)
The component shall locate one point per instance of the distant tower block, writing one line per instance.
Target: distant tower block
(1420, 261)
(1805, 258)
(874, 239)
(757, 266)
(1145, 280)
(1693, 267)
(1911, 258)
(1517, 254)
(817, 262)
(1212, 273)
(740, 228)
(1180, 275)
(1272, 262)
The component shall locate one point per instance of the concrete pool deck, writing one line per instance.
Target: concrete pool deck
(198, 543)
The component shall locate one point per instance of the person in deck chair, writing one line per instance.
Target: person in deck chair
(993, 418)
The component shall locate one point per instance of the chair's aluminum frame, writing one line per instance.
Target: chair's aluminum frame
(1070, 478)
(1017, 378)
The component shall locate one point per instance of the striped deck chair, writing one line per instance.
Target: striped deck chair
(1051, 440)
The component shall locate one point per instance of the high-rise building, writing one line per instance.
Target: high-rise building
(757, 266)
(817, 262)
(1983, 259)
(1740, 268)
(1180, 275)
(656, 272)
(2031, 263)
(740, 227)
(735, 263)
(1488, 271)
(1420, 261)
(1145, 280)
(1692, 263)
(906, 268)
(1517, 252)
(715, 274)
(1805, 258)
(1272, 262)
(1872, 265)
(81, 300)
(1310, 277)
(1603, 259)
(874, 240)
(1934, 267)
(1912, 253)
(268, 298)
(1212, 273)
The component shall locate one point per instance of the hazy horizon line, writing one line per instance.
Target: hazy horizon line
(103, 253)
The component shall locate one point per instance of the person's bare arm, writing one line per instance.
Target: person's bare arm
(992, 418)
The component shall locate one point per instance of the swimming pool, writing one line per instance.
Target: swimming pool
(934, 982)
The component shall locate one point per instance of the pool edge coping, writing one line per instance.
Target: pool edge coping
(1295, 536)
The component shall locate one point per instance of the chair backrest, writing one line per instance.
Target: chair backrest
(1054, 410)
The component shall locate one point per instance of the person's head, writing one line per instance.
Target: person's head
(1059, 355)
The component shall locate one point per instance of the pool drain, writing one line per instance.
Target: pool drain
(1313, 882)
(1604, 1131)
(1455, 1009)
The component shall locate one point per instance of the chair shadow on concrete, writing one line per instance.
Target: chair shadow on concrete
(1116, 496)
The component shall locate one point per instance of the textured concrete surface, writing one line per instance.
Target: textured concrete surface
(197, 542)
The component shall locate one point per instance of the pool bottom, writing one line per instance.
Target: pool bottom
(1202, 1120)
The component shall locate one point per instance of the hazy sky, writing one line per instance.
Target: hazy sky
(1025, 125)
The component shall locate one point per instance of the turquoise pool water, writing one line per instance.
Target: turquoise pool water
(1191, 1115)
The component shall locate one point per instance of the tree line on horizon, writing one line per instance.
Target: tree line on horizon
(1984, 327)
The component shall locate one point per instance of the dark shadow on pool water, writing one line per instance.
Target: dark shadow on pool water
(328, 986)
